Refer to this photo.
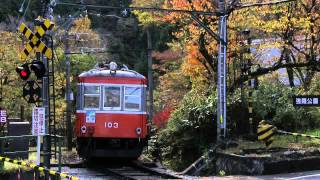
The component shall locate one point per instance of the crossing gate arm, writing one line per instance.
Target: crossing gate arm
(38, 168)
(297, 134)
(266, 132)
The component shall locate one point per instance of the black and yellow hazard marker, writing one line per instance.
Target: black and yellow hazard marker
(38, 168)
(35, 39)
(266, 132)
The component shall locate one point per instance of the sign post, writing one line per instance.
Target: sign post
(3, 119)
(38, 127)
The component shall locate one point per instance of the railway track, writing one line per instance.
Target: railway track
(136, 170)
(118, 170)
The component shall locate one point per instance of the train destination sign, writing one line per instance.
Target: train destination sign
(306, 100)
(90, 117)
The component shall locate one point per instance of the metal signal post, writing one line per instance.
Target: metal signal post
(68, 93)
(150, 75)
(46, 91)
(222, 74)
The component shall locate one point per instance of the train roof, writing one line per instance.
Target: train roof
(108, 73)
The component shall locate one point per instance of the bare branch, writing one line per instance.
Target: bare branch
(262, 71)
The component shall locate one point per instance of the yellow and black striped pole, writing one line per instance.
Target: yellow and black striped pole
(266, 132)
(38, 168)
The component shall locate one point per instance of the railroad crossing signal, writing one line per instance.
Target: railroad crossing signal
(31, 92)
(23, 71)
(37, 67)
(34, 39)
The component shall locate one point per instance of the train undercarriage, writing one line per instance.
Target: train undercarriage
(110, 148)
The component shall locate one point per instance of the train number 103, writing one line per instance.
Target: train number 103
(111, 125)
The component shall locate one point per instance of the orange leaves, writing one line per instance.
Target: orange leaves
(183, 4)
(193, 56)
(195, 5)
(192, 65)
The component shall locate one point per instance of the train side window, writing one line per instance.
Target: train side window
(112, 97)
(91, 97)
(132, 98)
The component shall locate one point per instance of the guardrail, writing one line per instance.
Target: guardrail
(38, 168)
(33, 166)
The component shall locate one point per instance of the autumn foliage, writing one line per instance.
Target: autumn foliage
(161, 118)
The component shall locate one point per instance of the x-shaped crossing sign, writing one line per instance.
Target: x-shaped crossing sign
(34, 39)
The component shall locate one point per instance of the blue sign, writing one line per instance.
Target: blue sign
(306, 100)
(90, 117)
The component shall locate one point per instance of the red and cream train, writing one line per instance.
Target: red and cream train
(111, 117)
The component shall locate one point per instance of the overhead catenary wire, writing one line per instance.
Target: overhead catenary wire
(238, 5)
(140, 8)
(24, 14)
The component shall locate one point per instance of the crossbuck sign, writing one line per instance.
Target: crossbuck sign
(35, 39)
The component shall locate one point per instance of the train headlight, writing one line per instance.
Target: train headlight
(113, 66)
(138, 131)
(83, 129)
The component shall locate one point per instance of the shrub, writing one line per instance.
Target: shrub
(274, 102)
(190, 129)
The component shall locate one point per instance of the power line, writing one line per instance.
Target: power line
(24, 14)
(141, 8)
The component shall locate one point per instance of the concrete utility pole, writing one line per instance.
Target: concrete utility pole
(222, 73)
(68, 93)
(150, 75)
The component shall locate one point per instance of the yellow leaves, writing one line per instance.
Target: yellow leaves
(82, 24)
(145, 18)
(83, 34)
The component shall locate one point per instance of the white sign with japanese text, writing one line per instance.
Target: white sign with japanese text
(38, 121)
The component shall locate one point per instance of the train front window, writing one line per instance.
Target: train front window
(112, 98)
(132, 98)
(91, 97)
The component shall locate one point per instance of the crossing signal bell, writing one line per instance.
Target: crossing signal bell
(37, 67)
(23, 71)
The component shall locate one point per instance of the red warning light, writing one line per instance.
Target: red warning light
(23, 71)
